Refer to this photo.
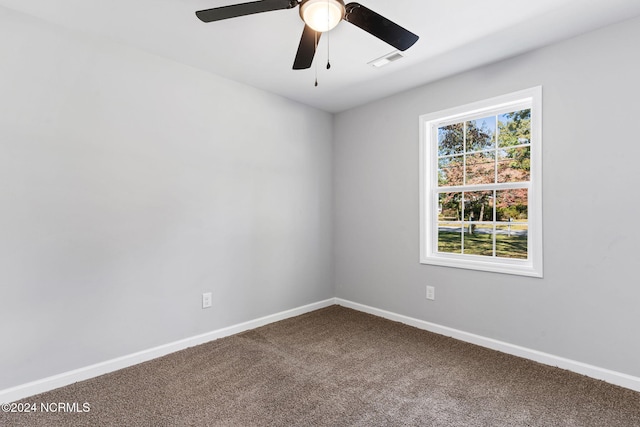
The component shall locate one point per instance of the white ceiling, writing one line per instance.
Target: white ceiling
(455, 35)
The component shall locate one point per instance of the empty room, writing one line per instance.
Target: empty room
(315, 212)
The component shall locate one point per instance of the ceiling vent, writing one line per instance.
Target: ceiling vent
(387, 59)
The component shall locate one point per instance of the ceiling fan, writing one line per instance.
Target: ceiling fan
(319, 16)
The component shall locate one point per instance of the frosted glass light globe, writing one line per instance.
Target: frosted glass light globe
(322, 15)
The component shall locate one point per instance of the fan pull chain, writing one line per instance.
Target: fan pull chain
(315, 65)
(328, 14)
(328, 63)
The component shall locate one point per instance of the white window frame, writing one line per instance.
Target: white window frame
(429, 123)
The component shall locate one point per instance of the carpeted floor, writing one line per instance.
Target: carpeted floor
(338, 367)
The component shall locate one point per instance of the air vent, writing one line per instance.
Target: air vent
(384, 60)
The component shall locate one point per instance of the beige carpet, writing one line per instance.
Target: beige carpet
(339, 367)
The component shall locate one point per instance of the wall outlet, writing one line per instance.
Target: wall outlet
(206, 300)
(431, 292)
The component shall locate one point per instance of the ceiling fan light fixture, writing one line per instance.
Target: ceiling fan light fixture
(322, 15)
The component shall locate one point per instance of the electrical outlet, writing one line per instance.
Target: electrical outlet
(431, 293)
(206, 300)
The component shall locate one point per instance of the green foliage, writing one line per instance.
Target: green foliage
(451, 139)
(519, 211)
(514, 128)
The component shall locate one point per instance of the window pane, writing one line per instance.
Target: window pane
(450, 237)
(450, 139)
(481, 134)
(478, 239)
(450, 171)
(478, 206)
(514, 164)
(480, 168)
(449, 206)
(511, 241)
(512, 205)
(476, 211)
(514, 128)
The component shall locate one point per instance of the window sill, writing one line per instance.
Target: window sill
(470, 262)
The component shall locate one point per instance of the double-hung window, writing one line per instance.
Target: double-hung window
(481, 185)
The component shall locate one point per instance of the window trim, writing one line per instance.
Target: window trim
(531, 98)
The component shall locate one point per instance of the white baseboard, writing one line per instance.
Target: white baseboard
(81, 374)
(613, 377)
(47, 384)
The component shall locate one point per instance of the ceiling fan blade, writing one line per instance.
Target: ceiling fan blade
(379, 26)
(242, 9)
(306, 48)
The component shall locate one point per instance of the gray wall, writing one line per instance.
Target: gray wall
(129, 185)
(586, 306)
